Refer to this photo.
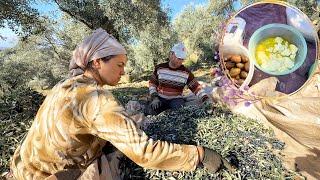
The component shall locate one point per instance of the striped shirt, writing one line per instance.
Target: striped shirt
(169, 83)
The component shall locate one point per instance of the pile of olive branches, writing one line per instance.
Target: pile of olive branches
(253, 144)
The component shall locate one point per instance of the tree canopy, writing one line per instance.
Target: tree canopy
(19, 14)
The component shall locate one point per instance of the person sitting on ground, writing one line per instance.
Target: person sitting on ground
(168, 81)
(80, 129)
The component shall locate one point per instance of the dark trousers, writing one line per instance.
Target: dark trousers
(166, 104)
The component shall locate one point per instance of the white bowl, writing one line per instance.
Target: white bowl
(237, 49)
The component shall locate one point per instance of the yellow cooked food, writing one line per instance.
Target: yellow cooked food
(275, 54)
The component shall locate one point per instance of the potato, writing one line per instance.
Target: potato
(247, 66)
(230, 65)
(227, 58)
(244, 59)
(236, 58)
(234, 72)
(243, 74)
(240, 65)
(240, 81)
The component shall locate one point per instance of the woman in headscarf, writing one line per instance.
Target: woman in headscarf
(80, 117)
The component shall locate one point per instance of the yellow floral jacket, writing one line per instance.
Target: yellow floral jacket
(73, 124)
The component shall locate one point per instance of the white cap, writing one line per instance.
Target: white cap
(179, 50)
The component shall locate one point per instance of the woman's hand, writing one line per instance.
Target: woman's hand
(133, 107)
(214, 161)
(155, 104)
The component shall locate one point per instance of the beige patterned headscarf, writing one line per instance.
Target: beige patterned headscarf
(98, 45)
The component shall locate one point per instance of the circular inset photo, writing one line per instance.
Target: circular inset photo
(269, 39)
